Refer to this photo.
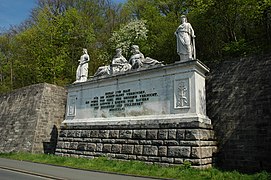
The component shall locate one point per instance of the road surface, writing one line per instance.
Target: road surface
(21, 170)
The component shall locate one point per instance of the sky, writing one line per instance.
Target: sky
(14, 12)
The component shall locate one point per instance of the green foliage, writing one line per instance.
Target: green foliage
(135, 167)
(135, 32)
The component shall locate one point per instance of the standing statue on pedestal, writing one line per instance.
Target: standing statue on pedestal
(82, 69)
(137, 59)
(185, 40)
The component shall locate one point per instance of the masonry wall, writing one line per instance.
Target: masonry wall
(239, 105)
(30, 118)
(154, 142)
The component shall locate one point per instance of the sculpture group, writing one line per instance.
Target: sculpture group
(185, 49)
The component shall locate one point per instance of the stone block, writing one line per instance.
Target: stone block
(154, 159)
(201, 152)
(127, 149)
(142, 158)
(116, 148)
(113, 133)
(167, 160)
(157, 142)
(178, 160)
(91, 147)
(63, 133)
(120, 141)
(139, 134)
(121, 156)
(103, 134)
(82, 146)
(78, 133)
(132, 157)
(176, 151)
(60, 145)
(147, 142)
(193, 134)
(138, 149)
(111, 141)
(172, 134)
(150, 150)
(162, 150)
(66, 145)
(96, 140)
(71, 133)
(171, 142)
(73, 145)
(93, 133)
(107, 148)
(85, 134)
(151, 134)
(99, 147)
(180, 134)
(129, 141)
(162, 134)
(125, 134)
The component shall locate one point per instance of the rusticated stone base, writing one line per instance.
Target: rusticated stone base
(153, 142)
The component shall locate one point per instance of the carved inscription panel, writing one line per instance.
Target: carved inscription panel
(120, 100)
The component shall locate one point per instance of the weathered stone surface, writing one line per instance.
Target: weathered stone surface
(158, 142)
(193, 134)
(127, 149)
(99, 147)
(73, 145)
(162, 134)
(103, 134)
(126, 134)
(176, 151)
(162, 150)
(138, 149)
(91, 147)
(151, 134)
(180, 134)
(114, 134)
(172, 134)
(85, 133)
(150, 150)
(132, 141)
(139, 134)
(202, 152)
(116, 148)
(107, 148)
(154, 159)
(122, 156)
(171, 142)
(178, 160)
(93, 133)
(142, 158)
(82, 146)
(167, 160)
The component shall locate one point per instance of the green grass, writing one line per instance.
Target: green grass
(134, 167)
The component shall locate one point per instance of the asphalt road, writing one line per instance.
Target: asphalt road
(21, 170)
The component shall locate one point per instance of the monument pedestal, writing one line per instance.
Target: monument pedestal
(155, 115)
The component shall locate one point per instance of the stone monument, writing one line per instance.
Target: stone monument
(145, 111)
(185, 40)
(82, 69)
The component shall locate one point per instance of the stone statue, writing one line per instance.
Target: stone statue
(119, 64)
(185, 40)
(82, 69)
(137, 59)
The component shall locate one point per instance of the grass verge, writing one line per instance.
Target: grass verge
(135, 167)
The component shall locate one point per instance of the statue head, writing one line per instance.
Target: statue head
(118, 51)
(85, 51)
(135, 48)
(183, 19)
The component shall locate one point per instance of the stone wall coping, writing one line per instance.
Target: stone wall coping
(168, 121)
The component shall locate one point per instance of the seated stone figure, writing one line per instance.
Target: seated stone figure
(137, 59)
(119, 64)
